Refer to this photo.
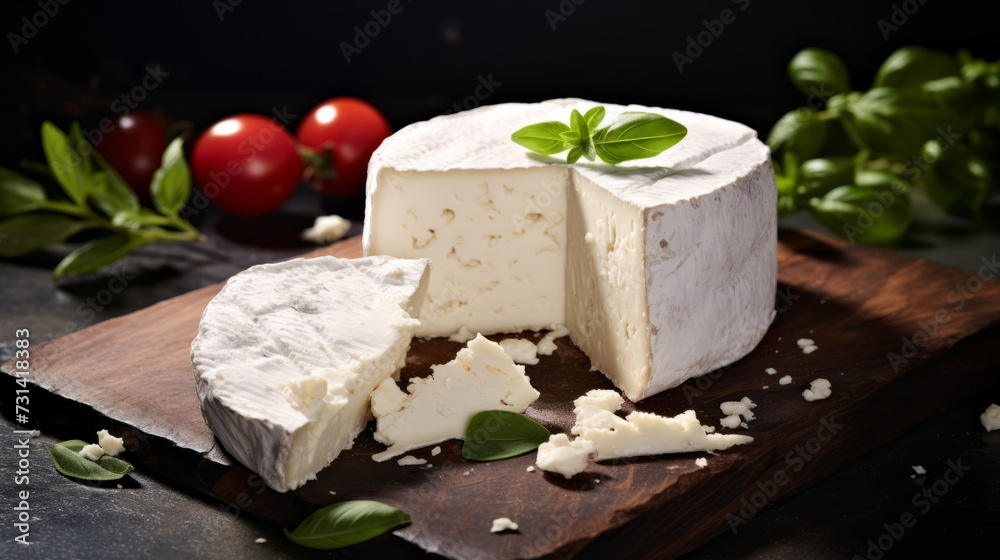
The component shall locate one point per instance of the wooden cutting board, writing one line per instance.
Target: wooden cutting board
(899, 338)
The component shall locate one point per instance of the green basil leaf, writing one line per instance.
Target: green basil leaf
(579, 124)
(894, 121)
(139, 218)
(499, 434)
(81, 148)
(786, 173)
(109, 196)
(346, 523)
(19, 194)
(123, 197)
(571, 137)
(544, 138)
(874, 179)
(574, 155)
(818, 72)
(96, 254)
(962, 103)
(594, 117)
(913, 66)
(171, 184)
(957, 179)
(821, 175)
(637, 135)
(865, 215)
(801, 131)
(27, 232)
(66, 456)
(64, 162)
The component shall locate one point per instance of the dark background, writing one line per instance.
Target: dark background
(257, 56)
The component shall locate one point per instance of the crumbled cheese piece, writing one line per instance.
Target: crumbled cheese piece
(560, 455)
(436, 451)
(463, 335)
(520, 350)
(744, 425)
(785, 380)
(810, 349)
(919, 469)
(438, 407)
(701, 462)
(547, 345)
(732, 421)
(260, 540)
(410, 460)
(991, 418)
(803, 342)
(765, 387)
(531, 469)
(641, 433)
(818, 389)
(770, 371)
(92, 451)
(503, 524)
(35, 433)
(741, 407)
(110, 444)
(327, 229)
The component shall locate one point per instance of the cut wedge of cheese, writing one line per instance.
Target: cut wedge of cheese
(287, 355)
(438, 407)
(662, 268)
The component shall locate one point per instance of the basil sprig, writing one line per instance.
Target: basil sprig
(68, 461)
(852, 158)
(500, 434)
(96, 197)
(346, 523)
(632, 135)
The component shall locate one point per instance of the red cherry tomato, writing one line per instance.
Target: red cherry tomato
(134, 148)
(247, 164)
(349, 130)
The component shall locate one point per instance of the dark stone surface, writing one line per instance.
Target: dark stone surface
(154, 518)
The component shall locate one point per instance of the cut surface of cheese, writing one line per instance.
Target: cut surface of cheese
(438, 407)
(642, 433)
(661, 269)
(287, 355)
(565, 457)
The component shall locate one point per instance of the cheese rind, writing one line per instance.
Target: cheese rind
(287, 354)
(438, 407)
(643, 262)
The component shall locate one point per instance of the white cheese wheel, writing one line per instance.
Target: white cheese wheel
(662, 268)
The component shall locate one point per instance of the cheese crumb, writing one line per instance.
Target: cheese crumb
(562, 456)
(110, 444)
(786, 380)
(531, 469)
(803, 342)
(261, 540)
(919, 469)
(818, 389)
(810, 349)
(991, 418)
(521, 350)
(741, 407)
(410, 460)
(766, 387)
(92, 451)
(327, 229)
(701, 462)
(770, 371)
(463, 335)
(547, 345)
(436, 451)
(732, 421)
(503, 524)
(35, 433)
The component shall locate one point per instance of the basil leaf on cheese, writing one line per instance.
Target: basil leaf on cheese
(68, 461)
(637, 136)
(501, 434)
(346, 523)
(545, 138)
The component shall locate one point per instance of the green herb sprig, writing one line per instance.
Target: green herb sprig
(346, 523)
(499, 434)
(633, 135)
(68, 461)
(852, 158)
(96, 198)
